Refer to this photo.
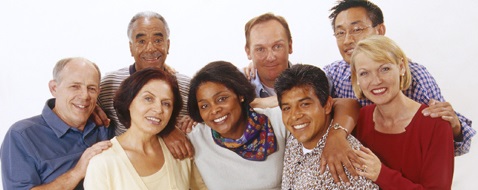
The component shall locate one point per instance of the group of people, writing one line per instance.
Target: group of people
(372, 120)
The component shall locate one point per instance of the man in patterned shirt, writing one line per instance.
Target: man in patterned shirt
(303, 96)
(353, 20)
(148, 34)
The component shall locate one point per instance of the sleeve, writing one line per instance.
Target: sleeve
(329, 74)
(438, 165)
(18, 164)
(97, 176)
(196, 179)
(424, 88)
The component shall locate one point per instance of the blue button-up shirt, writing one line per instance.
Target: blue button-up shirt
(37, 150)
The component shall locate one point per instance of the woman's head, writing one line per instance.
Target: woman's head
(149, 97)
(376, 62)
(219, 95)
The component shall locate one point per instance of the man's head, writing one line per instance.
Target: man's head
(268, 45)
(75, 85)
(148, 34)
(303, 96)
(354, 20)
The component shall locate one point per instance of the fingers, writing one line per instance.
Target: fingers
(323, 164)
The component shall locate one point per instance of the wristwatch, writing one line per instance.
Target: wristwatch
(337, 126)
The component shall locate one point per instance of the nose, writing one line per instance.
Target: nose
(150, 47)
(158, 108)
(376, 79)
(348, 38)
(296, 114)
(270, 55)
(215, 109)
(84, 93)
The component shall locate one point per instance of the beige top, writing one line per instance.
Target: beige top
(113, 170)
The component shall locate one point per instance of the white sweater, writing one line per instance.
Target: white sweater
(222, 169)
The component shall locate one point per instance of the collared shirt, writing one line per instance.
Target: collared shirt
(422, 89)
(301, 170)
(111, 83)
(260, 89)
(37, 150)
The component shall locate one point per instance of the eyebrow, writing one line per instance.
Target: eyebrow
(139, 35)
(353, 23)
(214, 95)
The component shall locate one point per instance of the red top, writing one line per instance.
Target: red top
(420, 158)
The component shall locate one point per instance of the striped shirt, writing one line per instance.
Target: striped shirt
(422, 89)
(111, 83)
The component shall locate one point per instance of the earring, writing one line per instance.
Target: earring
(358, 83)
(242, 99)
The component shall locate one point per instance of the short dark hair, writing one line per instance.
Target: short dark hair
(301, 75)
(373, 11)
(221, 72)
(130, 87)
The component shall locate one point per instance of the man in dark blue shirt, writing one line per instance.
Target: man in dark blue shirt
(52, 150)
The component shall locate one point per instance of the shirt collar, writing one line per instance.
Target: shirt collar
(260, 89)
(58, 126)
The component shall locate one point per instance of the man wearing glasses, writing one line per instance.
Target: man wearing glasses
(353, 20)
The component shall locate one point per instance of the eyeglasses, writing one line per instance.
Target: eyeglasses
(355, 31)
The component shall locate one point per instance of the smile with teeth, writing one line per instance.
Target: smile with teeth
(300, 126)
(154, 119)
(378, 91)
(79, 106)
(220, 119)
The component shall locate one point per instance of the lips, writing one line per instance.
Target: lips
(80, 106)
(221, 119)
(154, 120)
(378, 91)
(300, 126)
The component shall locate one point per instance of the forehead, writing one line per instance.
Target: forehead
(148, 26)
(209, 88)
(298, 93)
(157, 87)
(352, 16)
(78, 71)
(266, 31)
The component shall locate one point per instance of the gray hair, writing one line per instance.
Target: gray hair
(60, 65)
(147, 15)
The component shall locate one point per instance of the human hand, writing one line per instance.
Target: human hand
(178, 144)
(186, 124)
(99, 117)
(250, 71)
(80, 167)
(338, 154)
(370, 166)
(170, 69)
(445, 111)
(268, 102)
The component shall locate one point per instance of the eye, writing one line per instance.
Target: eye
(363, 73)
(167, 104)
(277, 47)
(158, 41)
(204, 106)
(285, 108)
(385, 69)
(305, 104)
(259, 49)
(339, 33)
(222, 98)
(141, 41)
(148, 98)
(93, 89)
(75, 86)
(357, 30)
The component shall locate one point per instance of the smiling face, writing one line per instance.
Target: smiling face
(379, 82)
(269, 50)
(220, 108)
(149, 43)
(304, 116)
(76, 91)
(152, 107)
(354, 19)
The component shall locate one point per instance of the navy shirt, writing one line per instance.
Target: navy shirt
(37, 150)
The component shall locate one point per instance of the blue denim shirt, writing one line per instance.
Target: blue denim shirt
(37, 150)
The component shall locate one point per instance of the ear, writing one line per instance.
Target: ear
(248, 52)
(328, 105)
(401, 65)
(131, 49)
(52, 85)
(381, 29)
(290, 47)
(167, 50)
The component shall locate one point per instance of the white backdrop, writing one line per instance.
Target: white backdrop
(35, 34)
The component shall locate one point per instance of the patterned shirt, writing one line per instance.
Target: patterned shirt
(111, 83)
(301, 171)
(422, 89)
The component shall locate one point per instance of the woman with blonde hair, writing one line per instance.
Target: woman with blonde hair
(406, 150)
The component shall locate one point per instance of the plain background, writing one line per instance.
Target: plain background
(35, 34)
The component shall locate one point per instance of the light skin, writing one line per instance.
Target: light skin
(150, 112)
(380, 83)
(220, 108)
(338, 152)
(304, 116)
(269, 50)
(76, 91)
